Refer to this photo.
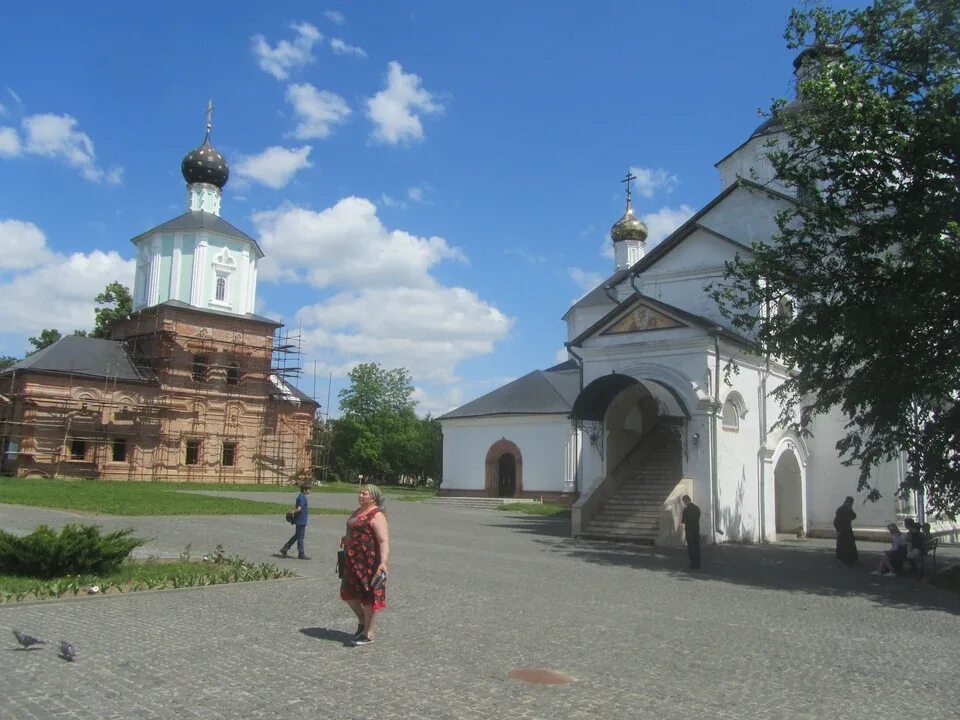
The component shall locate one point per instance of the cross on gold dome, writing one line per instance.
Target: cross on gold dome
(628, 179)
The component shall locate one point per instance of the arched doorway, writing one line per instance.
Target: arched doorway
(788, 494)
(506, 476)
(504, 470)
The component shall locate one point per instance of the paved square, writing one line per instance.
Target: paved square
(762, 632)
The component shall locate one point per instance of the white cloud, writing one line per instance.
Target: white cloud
(650, 180)
(664, 221)
(561, 356)
(317, 110)
(586, 280)
(275, 166)
(56, 136)
(427, 330)
(22, 245)
(9, 142)
(59, 294)
(392, 110)
(392, 201)
(3, 110)
(345, 245)
(437, 403)
(524, 253)
(286, 55)
(340, 47)
(335, 17)
(415, 194)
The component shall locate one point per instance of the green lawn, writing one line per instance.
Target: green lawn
(402, 491)
(138, 498)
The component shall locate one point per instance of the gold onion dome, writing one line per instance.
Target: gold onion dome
(629, 227)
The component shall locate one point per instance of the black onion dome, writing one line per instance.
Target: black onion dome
(205, 165)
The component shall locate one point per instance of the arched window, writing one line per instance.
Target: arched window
(730, 418)
(734, 410)
(221, 293)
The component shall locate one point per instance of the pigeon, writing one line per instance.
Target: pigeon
(67, 651)
(27, 640)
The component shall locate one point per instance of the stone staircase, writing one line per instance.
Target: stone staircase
(633, 512)
(480, 503)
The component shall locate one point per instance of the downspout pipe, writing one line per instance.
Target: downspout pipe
(577, 481)
(714, 469)
(609, 293)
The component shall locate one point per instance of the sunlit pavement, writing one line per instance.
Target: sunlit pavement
(761, 632)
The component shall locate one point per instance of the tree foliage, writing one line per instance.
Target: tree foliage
(869, 258)
(46, 338)
(114, 303)
(378, 433)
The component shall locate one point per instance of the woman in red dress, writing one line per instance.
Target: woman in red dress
(367, 546)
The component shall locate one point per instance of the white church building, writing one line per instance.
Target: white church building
(643, 413)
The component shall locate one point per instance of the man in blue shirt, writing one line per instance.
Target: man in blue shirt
(301, 513)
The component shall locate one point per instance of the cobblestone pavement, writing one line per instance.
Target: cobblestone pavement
(762, 632)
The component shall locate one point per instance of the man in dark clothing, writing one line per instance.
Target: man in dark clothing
(691, 529)
(843, 524)
(301, 514)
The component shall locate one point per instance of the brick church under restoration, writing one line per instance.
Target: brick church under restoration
(193, 386)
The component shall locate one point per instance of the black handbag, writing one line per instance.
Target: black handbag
(291, 517)
(341, 561)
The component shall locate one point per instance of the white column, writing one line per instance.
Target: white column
(175, 265)
(242, 282)
(252, 290)
(153, 285)
(199, 270)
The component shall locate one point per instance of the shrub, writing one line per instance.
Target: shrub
(77, 550)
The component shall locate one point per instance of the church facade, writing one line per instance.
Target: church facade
(192, 386)
(644, 413)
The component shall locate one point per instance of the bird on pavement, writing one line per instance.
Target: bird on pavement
(67, 651)
(27, 640)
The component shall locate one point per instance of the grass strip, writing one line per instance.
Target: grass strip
(135, 498)
(135, 575)
(542, 509)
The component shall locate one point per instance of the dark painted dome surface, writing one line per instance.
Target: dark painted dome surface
(205, 165)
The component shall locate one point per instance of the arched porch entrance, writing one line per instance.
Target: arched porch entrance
(504, 470)
(788, 494)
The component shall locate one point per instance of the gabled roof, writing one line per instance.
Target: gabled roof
(541, 392)
(187, 306)
(598, 296)
(85, 356)
(687, 318)
(285, 390)
(200, 220)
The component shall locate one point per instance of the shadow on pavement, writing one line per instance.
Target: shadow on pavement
(804, 566)
(321, 633)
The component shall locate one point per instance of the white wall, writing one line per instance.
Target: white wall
(546, 445)
(829, 481)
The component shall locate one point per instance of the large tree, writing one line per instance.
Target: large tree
(114, 303)
(867, 260)
(378, 432)
(46, 338)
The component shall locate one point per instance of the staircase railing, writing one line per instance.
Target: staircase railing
(586, 508)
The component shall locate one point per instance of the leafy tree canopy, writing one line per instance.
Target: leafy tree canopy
(114, 303)
(378, 433)
(374, 390)
(869, 258)
(45, 339)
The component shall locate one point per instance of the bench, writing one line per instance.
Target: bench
(917, 564)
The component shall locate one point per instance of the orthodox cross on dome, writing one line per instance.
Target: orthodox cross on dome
(209, 115)
(628, 179)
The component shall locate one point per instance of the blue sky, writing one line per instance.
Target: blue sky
(432, 182)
